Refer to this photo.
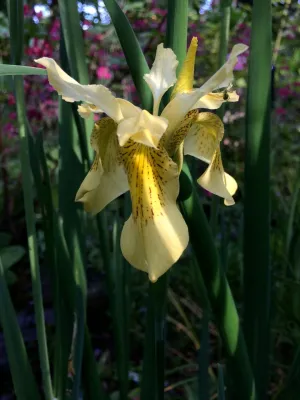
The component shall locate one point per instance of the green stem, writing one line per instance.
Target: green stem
(177, 25)
(152, 387)
(257, 280)
(32, 241)
(218, 290)
(15, 12)
(225, 11)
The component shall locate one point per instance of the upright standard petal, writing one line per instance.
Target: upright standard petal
(145, 128)
(182, 103)
(155, 235)
(185, 80)
(71, 90)
(107, 179)
(162, 75)
(218, 182)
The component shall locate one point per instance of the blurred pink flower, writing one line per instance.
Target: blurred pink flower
(104, 73)
(285, 92)
(159, 11)
(241, 64)
(11, 99)
(280, 111)
(55, 30)
(9, 130)
(26, 10)
(12, 116)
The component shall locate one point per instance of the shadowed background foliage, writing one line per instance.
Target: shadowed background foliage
(77, 321)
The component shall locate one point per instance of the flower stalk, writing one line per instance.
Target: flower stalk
(257, 278)
(15, 12)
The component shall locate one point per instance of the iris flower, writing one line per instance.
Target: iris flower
(143, 152)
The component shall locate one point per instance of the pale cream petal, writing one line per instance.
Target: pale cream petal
(204, 136)
(155, 235)
(212, 101)
(172, 142)
(107, 179)
(176, 110)
(216, 181)
(224, 76)
(128, 109)
(162, 75)
(84, 111)
(71, 90)
(145, 128)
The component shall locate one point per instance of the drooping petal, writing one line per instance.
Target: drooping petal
(107, 179)
(145, 128)
(182, 103)
(204, 136)
(155, 235)
(224, 76)
(71, 90)
(212, 101)
(218, 182)
(162, 75)
(185, 80)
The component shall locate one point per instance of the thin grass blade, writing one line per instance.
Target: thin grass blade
(203, 360)
(257, 279)
(218, 290)
(76, 56)
(221, 387)
(225, 11)
(71, 173)
(25, 386)
(133, 53)
(119, 290)
(7, 69)
(15, 12)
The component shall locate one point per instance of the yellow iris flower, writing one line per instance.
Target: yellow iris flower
(135, 150)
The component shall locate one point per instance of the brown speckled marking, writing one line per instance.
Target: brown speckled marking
(148, 172)
(105, 142)
(180, 133)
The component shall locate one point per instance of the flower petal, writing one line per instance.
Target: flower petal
(212, 101)
(176, 110)
(155, 235)
(185, 80)
(107, 179)
(172, 142)
(128, 109)
(85, 110)
(204, 137)
(216, 181)
(145, 128)
(224, 76)
(182, 103)
(71, 90)
(162, 75)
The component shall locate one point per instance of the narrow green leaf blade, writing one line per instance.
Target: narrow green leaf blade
(134, 56)
(24, 384)
(6, 69)
(257, 278)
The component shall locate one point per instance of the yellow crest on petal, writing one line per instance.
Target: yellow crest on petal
(185, 80)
